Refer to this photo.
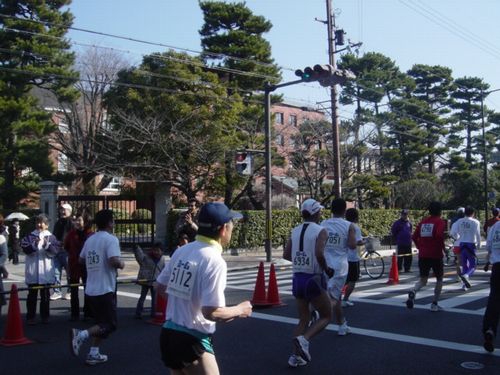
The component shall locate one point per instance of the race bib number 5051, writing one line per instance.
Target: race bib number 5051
(182, 279)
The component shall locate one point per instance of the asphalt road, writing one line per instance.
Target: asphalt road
(387, 338)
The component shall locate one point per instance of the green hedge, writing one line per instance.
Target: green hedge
(250, 233)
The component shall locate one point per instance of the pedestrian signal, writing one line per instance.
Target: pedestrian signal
(243, 163)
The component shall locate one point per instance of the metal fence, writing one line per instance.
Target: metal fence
(134, 217)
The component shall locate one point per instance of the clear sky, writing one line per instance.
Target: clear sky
(460, 34)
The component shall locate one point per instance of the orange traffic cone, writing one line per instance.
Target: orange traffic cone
(394, 273)
(259, 293)
(273, 296)
(160, 310)
(14, 334)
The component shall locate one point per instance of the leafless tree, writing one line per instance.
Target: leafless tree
(86, 119)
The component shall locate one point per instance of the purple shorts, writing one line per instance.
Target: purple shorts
(307, 285)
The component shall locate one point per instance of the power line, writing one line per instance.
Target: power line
(123, 84)
(215, 54)
(456, 31)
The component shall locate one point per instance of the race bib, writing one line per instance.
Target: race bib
(334, 240)
(426, 230)
(182, 280)
(93, 260)
(302, 262)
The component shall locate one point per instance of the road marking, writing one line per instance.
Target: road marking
(442, 344)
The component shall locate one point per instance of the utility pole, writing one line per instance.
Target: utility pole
(333, 98)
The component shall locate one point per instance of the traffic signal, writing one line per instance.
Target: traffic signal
(326, 75)
(243, 163)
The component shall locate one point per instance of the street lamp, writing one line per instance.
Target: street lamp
(485, 156)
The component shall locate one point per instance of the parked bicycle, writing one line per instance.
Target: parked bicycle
(373, 262)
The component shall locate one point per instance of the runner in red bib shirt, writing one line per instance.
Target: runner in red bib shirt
(429, 238)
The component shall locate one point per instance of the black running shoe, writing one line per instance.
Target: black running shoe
(411, 299)
(488, 341)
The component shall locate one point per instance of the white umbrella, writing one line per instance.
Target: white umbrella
(17, 215)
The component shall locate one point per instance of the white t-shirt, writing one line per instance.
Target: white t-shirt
(305, 261)
(195, 277)
(467, 229)
(336, 246)
(353, 254)
(493, 243)
(101, 277)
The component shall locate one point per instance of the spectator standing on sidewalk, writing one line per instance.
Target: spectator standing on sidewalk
(61, 228)
(467, 231)
(429, 238)
(492, 313)
(151, 264)
(306, 250)
(101, 255)
(3, 271)
(14, 241)
(40, 247)
(495, 216)
(401, 232)
(195, 279)
(77, 272)
(188, 221)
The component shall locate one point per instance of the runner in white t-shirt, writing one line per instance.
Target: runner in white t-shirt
(194, 280)
(352, 215)
(341, 237)
(305, 249)
(101, 256)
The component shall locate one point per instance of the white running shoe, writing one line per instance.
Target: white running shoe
(296, 361)
(314, 317)
(302, 346)
(75, 340)
(96, 359)
(55, 296)
(347, 303)
(435, 307)
(465, 280)
(344, 329)
(67, 296)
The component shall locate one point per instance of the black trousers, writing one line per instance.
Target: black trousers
(44, 302)
(75, 298)
(492, 313)
(406, 261)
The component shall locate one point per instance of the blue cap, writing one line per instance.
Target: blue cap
(213, 215)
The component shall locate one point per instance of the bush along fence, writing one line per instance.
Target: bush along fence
(249, 234)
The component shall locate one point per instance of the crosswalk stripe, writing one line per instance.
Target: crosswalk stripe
(379, 292)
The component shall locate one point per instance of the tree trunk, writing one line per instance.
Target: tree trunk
(9, 201)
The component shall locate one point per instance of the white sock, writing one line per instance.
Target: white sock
(94, 350)
(84, 334)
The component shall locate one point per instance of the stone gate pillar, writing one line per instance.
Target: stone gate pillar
(48, 200)
(162, 206)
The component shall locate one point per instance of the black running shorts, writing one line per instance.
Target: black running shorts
(426, 264)
(180, 349)
(103, 310)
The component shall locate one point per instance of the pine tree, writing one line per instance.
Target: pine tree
(34, 53)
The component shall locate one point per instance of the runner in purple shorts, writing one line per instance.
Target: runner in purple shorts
(305, 248)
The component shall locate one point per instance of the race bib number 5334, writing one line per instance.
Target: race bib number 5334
(182, 279)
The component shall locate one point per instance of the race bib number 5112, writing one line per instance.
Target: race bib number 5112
(182, 279)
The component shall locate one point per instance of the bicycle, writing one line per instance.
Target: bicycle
(373, 262)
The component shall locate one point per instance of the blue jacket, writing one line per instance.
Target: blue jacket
(401, 231)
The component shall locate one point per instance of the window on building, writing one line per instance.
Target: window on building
(278, 118)
(292, 120)
(63, 127)
(115, 184)
(280, 140)
(62, 162)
